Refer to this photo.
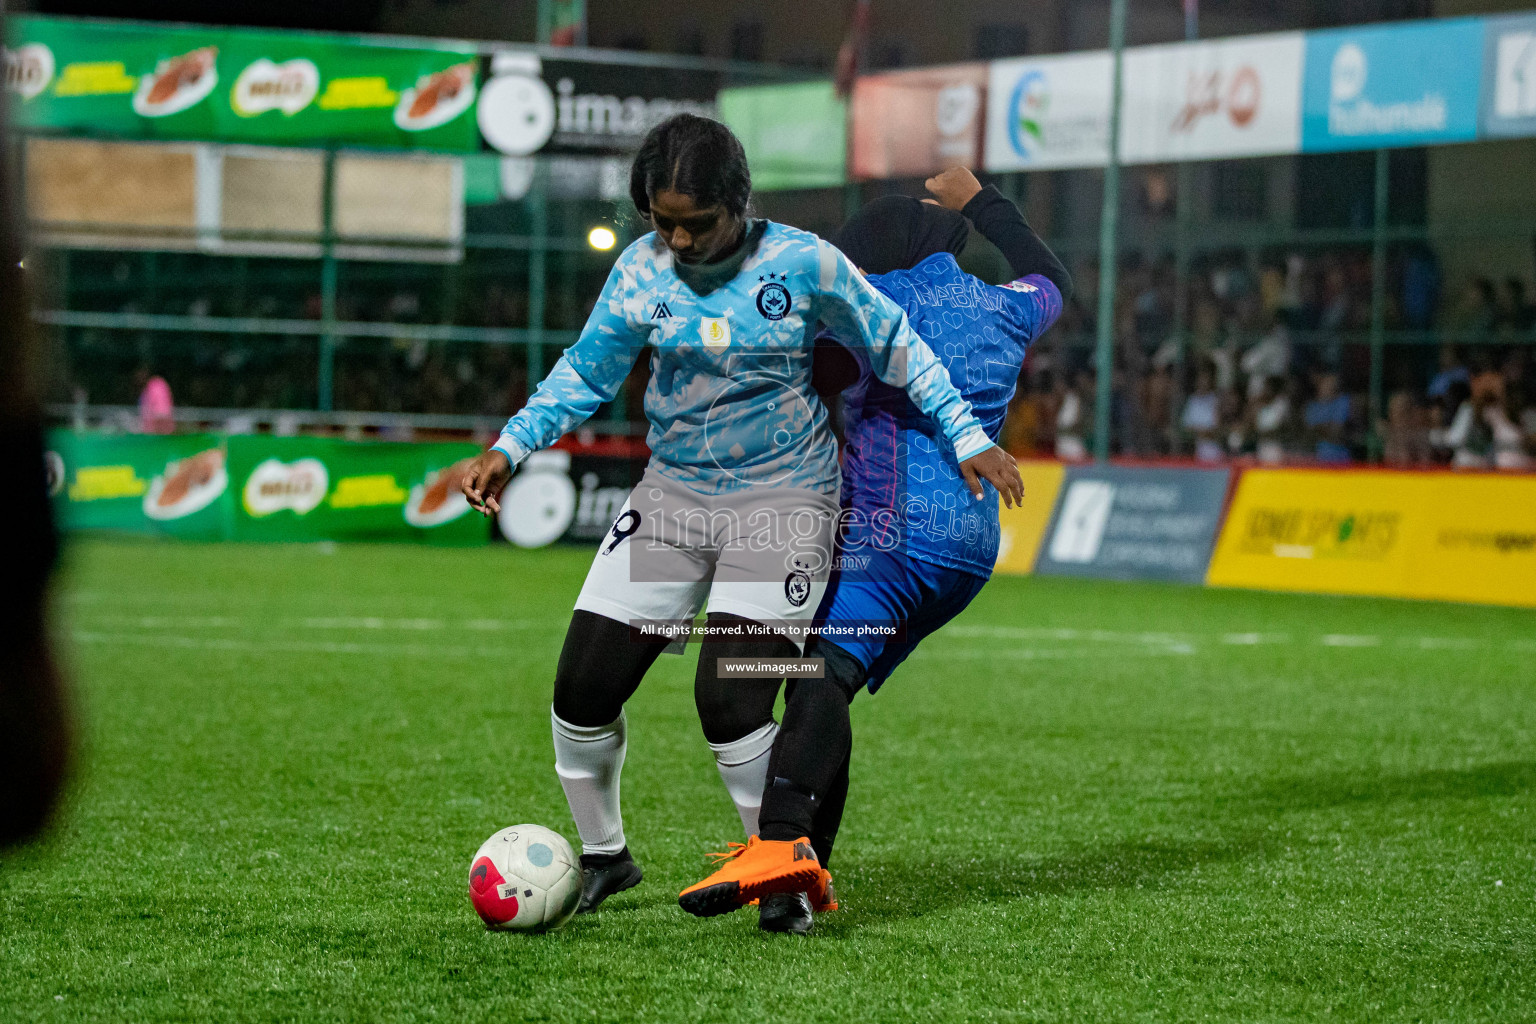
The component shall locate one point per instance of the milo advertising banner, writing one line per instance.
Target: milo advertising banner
(175, 485)
(162, 82)
(262, 488)
(314, 488)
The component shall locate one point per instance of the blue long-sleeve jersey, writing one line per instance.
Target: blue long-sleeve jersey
(730, 402)
(899, 483)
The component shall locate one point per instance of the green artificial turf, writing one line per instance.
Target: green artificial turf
(1084, 801)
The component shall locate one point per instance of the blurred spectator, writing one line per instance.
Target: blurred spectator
(1202, 415)
(1517, 314)
(157, 412)
(1269, 357)
(1451, 372)
(1262, 426)
(1074, 413)
(1025, 427)
(1159, 398)
(1327, 418)
(1476, 310)
(1404, 432)
(1272, 422)
(1421, 288)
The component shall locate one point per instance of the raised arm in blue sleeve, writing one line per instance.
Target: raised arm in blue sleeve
(859, 313)
(588, 374)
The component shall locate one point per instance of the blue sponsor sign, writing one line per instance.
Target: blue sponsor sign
(1392, 85)
(1509, 77)
(1122, 523)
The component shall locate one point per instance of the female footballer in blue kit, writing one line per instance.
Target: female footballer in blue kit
(736, 511)
(914, 550)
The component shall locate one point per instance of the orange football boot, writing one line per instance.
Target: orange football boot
(760, 867)
(823, 896)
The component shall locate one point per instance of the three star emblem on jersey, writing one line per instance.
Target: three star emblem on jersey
(773, 297)
(715, 331)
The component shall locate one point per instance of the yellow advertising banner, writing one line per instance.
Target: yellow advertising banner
(1440, 536)
(1480, 544)
(1023, 527)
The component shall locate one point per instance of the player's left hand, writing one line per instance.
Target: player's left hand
(952, 189)
(997, 468)
(484, 478)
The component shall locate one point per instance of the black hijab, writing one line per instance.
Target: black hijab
(898, 232)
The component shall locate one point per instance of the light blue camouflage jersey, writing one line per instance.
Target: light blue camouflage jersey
(730, 402)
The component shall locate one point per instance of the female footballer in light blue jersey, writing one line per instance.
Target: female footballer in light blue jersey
(736, 513)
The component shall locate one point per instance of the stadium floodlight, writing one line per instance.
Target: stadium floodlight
(602, 238)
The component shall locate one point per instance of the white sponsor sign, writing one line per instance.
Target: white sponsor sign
(1221, 98)
(275, 485)
(28, 69)
(1048, 112)
(1514, 91)
(538, 505)
(266, 85)
(1080, 526)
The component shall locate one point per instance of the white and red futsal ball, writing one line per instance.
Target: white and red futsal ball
(525, 878)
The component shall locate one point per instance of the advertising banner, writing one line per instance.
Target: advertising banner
(1438, 536)
(1045, 112)
(1125, 523)
(529, 105)
(1205, 100)
(1023, 527)
(909, 124)
(1318, 530)
(1411, 84)
(1509, 76)
(163, 82)
(796, 136)
(176, 485)
(560, 496)
(1479, 544)
(312, 488)
(261, 488)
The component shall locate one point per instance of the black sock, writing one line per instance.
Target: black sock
(829, 814)
(603, 860)
(811, 750)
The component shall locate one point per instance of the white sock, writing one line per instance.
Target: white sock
(588, 761)
(743, 767)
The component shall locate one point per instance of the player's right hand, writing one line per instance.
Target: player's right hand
(953, 188)
(484, 479)
(997, 468)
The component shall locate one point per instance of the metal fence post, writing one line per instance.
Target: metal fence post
(326, 385)
(538, 268)
(1378, 305)
(1109, 226)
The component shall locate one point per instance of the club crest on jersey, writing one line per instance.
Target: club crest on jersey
(797, 588)
(715, 331)
(773, 298)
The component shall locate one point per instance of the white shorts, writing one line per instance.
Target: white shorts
(761, 554)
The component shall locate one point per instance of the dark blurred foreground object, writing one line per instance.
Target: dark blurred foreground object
(34, 729)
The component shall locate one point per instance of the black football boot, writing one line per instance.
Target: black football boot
(786, 912)
(603, 874)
